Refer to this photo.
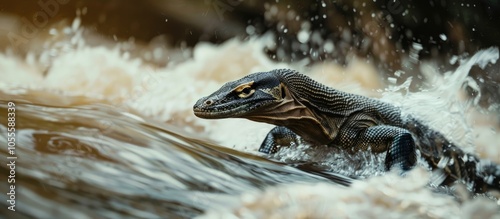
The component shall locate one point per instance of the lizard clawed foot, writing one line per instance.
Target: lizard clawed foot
(278, 136)
(401, 152)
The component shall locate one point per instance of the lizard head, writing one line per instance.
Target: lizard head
(251, 95)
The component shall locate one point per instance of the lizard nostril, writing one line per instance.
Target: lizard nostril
(208, 102)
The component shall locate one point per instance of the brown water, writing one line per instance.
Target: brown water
(103, 135)
(94, 161)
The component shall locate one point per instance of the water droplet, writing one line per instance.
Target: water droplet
(303, 36)
(417, 46)
(53, 31)
(443, 37)
(392, 80)
(328, 46)
(250, 30)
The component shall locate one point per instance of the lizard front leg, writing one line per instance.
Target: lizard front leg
(278, 136)
(396, 141)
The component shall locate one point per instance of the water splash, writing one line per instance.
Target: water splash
(441, 96)
(96, 160)
(360, 165)
(440, 102)
(381, 195)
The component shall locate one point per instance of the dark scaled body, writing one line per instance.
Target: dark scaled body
(320, 115)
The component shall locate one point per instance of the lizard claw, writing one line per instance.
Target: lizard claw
(279, 135)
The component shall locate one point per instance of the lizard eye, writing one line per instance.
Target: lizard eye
(246, 92)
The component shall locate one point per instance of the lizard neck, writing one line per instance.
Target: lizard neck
(303, 120)
(313, 111)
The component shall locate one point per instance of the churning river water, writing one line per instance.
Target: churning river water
(100, 133)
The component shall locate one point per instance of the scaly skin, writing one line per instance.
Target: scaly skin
(320, 115)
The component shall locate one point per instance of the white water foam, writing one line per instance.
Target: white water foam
(168, 93)
(388, 196)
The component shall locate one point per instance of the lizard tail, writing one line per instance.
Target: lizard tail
(456, 165)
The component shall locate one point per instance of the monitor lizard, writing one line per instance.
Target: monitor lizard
(320, 115)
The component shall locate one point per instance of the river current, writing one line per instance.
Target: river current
(105, 133)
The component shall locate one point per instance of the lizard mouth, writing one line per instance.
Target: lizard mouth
(232, 111)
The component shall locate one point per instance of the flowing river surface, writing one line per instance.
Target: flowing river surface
(100, 134)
